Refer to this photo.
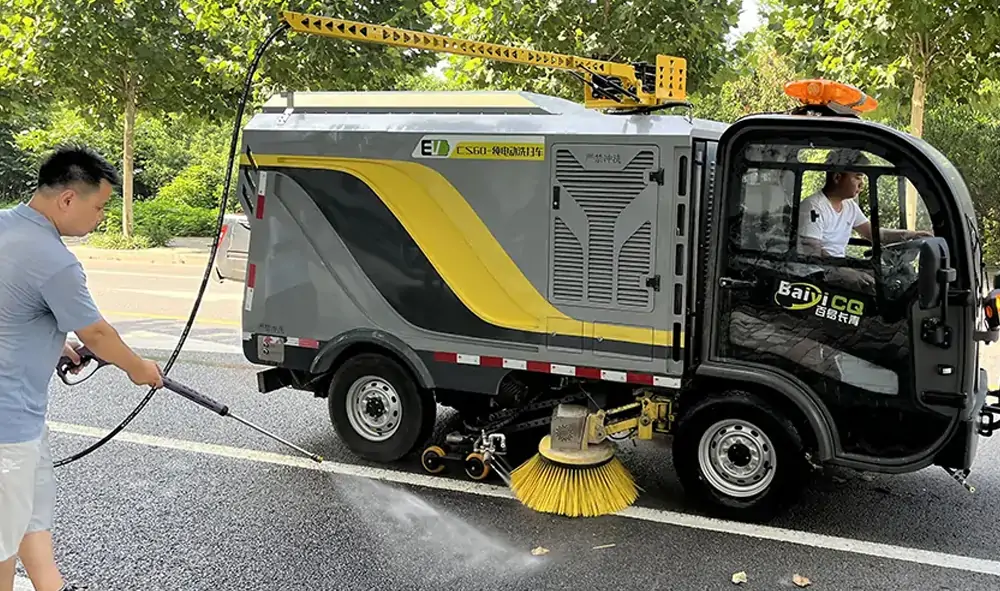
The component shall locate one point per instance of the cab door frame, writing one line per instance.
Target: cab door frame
(961, 298)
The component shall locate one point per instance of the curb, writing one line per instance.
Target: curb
(163, 256)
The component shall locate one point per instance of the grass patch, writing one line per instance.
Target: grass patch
(113, 241)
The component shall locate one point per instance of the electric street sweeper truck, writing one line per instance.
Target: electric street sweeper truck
(615, 270)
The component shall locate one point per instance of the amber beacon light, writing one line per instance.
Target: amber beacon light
(828, 92)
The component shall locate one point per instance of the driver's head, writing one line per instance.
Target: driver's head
(844, 184)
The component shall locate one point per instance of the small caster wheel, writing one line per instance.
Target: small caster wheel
(476, 467)
(433, 459)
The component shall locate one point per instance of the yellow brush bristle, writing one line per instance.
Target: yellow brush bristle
(585, 491)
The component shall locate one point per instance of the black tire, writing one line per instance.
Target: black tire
(773, 437)
(393, 391)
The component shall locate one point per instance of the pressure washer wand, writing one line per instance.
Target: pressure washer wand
(66, 368)
(223, 411)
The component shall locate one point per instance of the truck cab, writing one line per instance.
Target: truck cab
(874, 342)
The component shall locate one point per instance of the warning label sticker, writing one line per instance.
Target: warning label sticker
(481, 147)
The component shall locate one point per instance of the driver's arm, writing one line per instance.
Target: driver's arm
(865, 231)
(889, 235)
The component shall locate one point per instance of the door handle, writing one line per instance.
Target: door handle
(730, 283)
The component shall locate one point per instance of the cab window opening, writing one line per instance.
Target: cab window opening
(859, 231)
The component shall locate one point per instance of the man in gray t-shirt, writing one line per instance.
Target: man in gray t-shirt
(44, 296)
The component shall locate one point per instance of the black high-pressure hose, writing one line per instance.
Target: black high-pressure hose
(237, 124)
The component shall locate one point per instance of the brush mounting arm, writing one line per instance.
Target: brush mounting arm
(647, 415)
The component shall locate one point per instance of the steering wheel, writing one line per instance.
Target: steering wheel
(899, 270)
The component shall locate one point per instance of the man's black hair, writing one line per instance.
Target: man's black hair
(843, 157)
(70, 164)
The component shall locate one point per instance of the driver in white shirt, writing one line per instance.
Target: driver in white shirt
(828, 217)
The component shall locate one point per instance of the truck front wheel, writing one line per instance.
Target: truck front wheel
(739, 456)
(377, 409)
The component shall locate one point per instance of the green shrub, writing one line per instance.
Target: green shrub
(179, 218)
(113, 241)
(162, 219)
(157, 235)
(198, 185)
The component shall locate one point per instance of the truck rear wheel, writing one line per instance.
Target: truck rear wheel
(377, 408)
(739, 457)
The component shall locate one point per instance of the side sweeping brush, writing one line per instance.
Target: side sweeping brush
(575, 472)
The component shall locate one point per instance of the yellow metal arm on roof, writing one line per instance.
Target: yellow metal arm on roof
(607, 84)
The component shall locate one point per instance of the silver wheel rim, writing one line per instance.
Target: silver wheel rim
(373, 408)
(737, 458)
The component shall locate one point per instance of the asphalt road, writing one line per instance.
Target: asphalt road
(185, 499)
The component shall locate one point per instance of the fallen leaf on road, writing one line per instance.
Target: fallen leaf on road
(539, 551)
(801, 581)
(603, 547)
(740, 577)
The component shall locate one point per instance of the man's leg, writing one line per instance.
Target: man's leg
(7, 574)
(17, 483)
(36, 551)
(38, 559)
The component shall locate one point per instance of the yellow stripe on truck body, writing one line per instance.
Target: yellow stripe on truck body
(461, 248)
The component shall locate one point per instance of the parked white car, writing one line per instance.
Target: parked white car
(234, 248)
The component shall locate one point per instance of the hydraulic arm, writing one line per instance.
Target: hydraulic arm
(607, 84)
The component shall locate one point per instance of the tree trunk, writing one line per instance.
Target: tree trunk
(917, 105)
(128, 153)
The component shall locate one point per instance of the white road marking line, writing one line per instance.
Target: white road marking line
(802, 538)
(23, 584)
(775, 534)
(286, 460)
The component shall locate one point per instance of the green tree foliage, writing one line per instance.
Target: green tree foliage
(164, 146)
(970, 138)
(120, 57)
(307, 62)
(16, 171)
(63, 123)
(884, 45)
(21, 100)
(20, 91)
(754, 83)
(614, 30)
(888, 45)
(113, 58)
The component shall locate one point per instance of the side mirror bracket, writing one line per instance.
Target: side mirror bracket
(936, 274)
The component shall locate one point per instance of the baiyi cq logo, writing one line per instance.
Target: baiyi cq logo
(803, 296)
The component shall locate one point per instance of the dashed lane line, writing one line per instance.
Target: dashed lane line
(775, 534)
(148, 316)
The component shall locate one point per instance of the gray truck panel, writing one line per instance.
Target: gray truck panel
(310, 284)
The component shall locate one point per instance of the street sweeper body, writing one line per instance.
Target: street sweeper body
(573, 276)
